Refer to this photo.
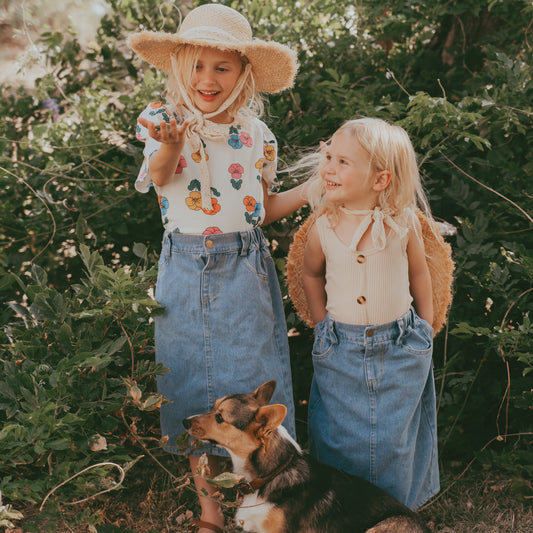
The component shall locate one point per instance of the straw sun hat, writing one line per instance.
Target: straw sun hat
(438, 255)
(274, 65)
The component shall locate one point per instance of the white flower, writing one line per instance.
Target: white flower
(7, 514)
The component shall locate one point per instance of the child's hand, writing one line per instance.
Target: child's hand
(165, 133)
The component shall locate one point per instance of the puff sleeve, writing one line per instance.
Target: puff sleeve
(270, 153)
(155, 112)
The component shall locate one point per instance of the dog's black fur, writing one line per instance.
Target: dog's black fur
(294, 493)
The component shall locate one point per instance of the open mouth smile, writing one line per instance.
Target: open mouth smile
(208, 95)
(332, 184)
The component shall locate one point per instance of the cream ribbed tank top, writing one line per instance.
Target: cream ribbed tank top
(371, 286)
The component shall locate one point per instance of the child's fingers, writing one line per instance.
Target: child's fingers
(153, 129)
(176, 132)
(173, 129)
(165, 132)
(183, 126)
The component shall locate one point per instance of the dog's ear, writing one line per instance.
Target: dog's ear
(263, 393)
(269, 417)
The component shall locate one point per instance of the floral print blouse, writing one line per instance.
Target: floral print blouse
(237, 167)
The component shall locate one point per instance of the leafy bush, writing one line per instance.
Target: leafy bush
(77, 373)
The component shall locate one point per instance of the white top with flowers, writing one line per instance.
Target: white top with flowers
(236, 166)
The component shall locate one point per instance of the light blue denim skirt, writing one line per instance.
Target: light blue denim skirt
(223, 330)
(372, 405)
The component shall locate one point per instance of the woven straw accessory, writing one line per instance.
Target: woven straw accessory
(438, 256)
(274, 65)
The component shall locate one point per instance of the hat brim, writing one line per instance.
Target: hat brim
(274, 65)
(438, 256)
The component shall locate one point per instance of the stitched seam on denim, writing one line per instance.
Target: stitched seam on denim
(425, 498)
(207, 252)
(204, 298)
(431, 482)
(377, 349)
(418, 353)
(253, 270)
(373, 436)
(371, 418)
(210, 274)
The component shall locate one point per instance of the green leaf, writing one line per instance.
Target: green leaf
(59, 444)
(140, 250)
(225, 480)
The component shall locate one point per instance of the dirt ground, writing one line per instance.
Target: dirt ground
(150, 502)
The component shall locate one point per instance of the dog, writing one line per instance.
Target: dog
(285, 489)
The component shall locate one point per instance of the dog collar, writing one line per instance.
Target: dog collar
(245, 487)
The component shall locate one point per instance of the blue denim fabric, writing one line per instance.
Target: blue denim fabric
(372, 405)
(223, 330)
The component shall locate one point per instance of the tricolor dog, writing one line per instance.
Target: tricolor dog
(286, 490)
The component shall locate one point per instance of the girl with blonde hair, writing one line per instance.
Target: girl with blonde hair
(212, 163)
(368, 288)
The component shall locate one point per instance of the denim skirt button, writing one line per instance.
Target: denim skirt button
(209, 244)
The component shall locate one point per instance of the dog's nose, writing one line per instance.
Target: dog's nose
(186, 423)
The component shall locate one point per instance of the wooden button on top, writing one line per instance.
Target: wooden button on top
(361, 300)
(361, 259)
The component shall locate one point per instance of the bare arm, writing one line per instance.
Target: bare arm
(314, 276)
(419, 278)
(163, 163)
(282, 204)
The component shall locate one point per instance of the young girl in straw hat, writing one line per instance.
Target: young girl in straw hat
(212, 163)
(368, 289)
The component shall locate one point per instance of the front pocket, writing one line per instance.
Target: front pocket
(257, 261)
(418, 340)
(325, 339)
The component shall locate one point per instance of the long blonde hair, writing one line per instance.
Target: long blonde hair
(389, 148)
(248, 101)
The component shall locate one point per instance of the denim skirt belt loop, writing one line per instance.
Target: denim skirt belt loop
(372, 404)
(223, 330)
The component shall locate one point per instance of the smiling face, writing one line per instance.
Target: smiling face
(348, 173)
(214, 77)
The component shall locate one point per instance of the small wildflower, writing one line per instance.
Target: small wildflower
(51, 103)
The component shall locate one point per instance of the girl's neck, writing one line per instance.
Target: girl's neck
(223, 118)
(357, 210)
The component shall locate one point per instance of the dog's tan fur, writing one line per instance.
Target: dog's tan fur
(299, 495)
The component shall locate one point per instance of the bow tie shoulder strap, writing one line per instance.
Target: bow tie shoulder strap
(361, 228)
(378, 219)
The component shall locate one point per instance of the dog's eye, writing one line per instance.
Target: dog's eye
(218, 418)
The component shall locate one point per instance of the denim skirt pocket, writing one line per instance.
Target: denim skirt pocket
(418, 338)
(258, 263)
(325, 339)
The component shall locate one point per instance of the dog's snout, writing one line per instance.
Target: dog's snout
(187, 423)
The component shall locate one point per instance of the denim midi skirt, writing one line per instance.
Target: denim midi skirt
(223, 330)
(372, 409)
